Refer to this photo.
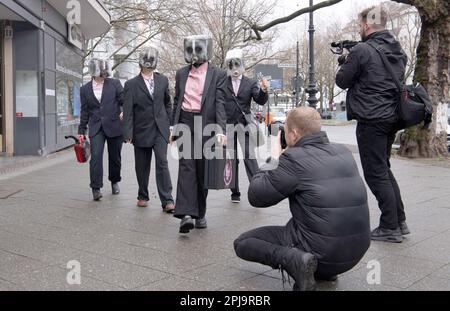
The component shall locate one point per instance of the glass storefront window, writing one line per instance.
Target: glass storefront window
(68, 83)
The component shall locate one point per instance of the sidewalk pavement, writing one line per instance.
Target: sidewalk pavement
(48, 218)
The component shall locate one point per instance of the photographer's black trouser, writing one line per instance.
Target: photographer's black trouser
(268, 245)
(375, 143)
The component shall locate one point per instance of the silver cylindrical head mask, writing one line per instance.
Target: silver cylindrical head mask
(148, 58)
(198, 49)
(234, 62)
(99, 68)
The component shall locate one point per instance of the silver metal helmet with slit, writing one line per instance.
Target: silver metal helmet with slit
(198, 49)
(234, 61)
(148, 58)
(99, 68)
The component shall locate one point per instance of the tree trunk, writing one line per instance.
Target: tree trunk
(433, 55)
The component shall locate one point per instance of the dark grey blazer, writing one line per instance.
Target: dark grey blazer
(248, 90)
(144, 114)
(104, 113)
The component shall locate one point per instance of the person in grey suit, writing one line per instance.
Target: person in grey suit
(147, 111)
(101, 110)
(199, 95)
(240, 92)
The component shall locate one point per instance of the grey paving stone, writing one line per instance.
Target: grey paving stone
(13, 264)
(431, 284)
(219, 275)
(259, 283)
(347, 283)
(176, 283)
(436, 248)
(55, 279)
(399, 271)
(120, 273)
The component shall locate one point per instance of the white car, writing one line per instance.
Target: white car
(278, 114)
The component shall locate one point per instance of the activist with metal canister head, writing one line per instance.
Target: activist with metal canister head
(199, 103)
(372, 100)
(147, 112)
(329, 231)
(101, 110)
(240, 92)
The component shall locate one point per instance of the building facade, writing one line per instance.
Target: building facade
(41, 71)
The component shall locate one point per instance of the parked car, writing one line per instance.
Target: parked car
(279, 115)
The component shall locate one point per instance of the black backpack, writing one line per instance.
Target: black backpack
(414, 103)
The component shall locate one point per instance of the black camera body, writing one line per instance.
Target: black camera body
(283, 137)
(338, 47)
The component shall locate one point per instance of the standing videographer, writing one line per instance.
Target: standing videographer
(372, 99)
(329, 231)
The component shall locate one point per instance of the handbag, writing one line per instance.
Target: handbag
(256, 136)
(221, 173)
(82, 149)
(414, 104)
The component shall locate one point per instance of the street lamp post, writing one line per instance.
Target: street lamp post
(312, 88)
(297, 82)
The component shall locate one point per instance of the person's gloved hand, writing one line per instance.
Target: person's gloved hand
(342, 59)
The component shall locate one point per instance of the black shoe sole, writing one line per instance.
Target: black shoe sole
(186, 227)
(307, 276)
(201, 227)
(405, 232)
(390, 239)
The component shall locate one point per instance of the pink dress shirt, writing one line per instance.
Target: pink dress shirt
(98, 89)
(236, 84)
(193, 93)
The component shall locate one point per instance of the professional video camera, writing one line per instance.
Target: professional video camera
(338, 47)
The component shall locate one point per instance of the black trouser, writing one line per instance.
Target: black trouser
(375, 143)
(143, 160)
(191, 192)
(114, 158)
(251, 165)
(267, 245)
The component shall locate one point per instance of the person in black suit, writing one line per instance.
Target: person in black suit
(147, 109)
(240, 92)
(198, 103)
(101, 110)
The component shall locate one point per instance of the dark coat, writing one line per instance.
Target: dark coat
(248, 90)
(372, 94)
(327, 198)
(213, 100)
(145, 115)
(104, 114)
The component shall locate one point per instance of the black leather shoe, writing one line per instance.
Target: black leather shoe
(96, 194)
(186, 225)
(115, 188)
(387, 235)
(201, 223)
(404, 228)
(235, 198)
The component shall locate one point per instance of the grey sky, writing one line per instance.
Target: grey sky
(344, 11)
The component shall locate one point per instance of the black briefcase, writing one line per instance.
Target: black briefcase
(221, 173)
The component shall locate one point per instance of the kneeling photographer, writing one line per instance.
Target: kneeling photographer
(329, 232)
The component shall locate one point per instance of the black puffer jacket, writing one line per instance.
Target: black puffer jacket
(372, 94)
(327, 198)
